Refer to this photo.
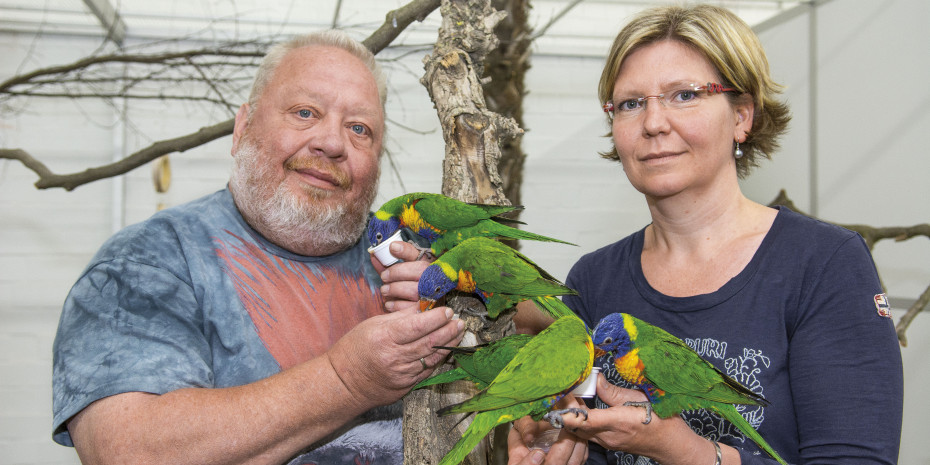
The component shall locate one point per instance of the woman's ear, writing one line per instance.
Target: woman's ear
(745, 110)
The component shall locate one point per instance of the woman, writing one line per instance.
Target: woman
(789, 306)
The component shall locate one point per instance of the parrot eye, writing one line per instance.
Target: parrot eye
(608, 340)
(437, 290)
(379, 236)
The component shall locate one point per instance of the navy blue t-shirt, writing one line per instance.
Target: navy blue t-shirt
(806, 325)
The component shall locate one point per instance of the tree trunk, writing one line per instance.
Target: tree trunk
(470, 173)
(506, 68)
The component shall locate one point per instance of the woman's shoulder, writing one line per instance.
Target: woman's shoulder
(799, 227)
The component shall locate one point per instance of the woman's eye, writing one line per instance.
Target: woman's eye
(629, 105)
(686, 95)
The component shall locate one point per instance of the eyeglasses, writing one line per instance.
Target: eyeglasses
(685, 97)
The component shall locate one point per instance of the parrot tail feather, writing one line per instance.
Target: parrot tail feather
(442, 378)
(553, 306)
(514, 233)
(733, 416)
(480, 426)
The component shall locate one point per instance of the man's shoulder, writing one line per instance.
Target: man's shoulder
(168, 230)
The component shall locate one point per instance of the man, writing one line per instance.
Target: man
(248, 326)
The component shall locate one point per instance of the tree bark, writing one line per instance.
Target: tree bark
(470, 173)
(505, 69)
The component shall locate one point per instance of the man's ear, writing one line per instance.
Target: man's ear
(242, 121)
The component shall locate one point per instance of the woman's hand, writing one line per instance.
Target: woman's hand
(567, 449)
(669, 441)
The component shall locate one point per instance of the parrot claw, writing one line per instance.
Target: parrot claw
(555, 417)
(424, 252)
(646, 405)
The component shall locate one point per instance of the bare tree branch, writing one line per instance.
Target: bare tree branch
(160, 58)
(395, 22)
(919, 305)
(68, 182)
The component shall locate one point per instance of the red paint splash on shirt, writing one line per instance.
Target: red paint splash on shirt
(299, 309)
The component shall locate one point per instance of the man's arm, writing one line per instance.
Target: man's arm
(271, 420)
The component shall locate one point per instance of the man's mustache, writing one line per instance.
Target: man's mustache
(322, 168)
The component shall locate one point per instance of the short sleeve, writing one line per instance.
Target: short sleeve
(845, 364)
(126, 326)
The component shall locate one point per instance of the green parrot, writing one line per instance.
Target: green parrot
(479, 364)
(672, 375)
(543, 371)
(499, 275)
(443, 222)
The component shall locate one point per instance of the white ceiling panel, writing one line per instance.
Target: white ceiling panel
(571, 27)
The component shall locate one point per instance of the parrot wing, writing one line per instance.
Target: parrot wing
(672, 366)
(497, 268)
(447, 214)
(549, 365)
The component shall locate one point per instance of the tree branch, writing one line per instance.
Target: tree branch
(68, 182)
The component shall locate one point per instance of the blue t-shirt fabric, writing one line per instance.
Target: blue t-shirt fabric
(805, 324)
(194, 297)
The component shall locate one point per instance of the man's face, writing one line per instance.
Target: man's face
(307, 160)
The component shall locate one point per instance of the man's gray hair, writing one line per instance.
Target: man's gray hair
(329, 38)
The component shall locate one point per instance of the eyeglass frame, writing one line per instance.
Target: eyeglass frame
(710, 87)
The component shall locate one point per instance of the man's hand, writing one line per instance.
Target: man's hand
(400, 279)
(380, 359)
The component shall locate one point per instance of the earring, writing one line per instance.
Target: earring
(738, 152)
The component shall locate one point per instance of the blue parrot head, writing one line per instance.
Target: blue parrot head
(435, 282)
(612, 334)
(381, 226)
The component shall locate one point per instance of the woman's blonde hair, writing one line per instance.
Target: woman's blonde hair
(731, 47)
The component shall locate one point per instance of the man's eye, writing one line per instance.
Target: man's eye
(359, 129)
(304, 113)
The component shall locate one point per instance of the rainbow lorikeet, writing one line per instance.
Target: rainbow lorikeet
(543, 371)
(479, 364)
(499, 275)
(672, 375)
(443, 222)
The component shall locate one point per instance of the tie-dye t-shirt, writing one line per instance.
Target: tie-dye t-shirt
(194, 297)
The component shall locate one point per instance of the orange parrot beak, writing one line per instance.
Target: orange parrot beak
(598, 352)
(427, 304)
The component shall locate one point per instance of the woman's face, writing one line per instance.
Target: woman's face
(667, 150)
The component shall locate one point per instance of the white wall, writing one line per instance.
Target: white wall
(870, 96)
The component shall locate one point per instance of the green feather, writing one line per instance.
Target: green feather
(456, 221)
(690, 382)
(479, 364)
(547, 367)
(508, 276)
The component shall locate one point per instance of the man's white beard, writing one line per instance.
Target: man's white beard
(308, 226)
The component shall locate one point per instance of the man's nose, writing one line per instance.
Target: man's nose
(328, 138)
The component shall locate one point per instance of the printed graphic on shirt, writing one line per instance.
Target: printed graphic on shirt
(744, 367)
(299, 309)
